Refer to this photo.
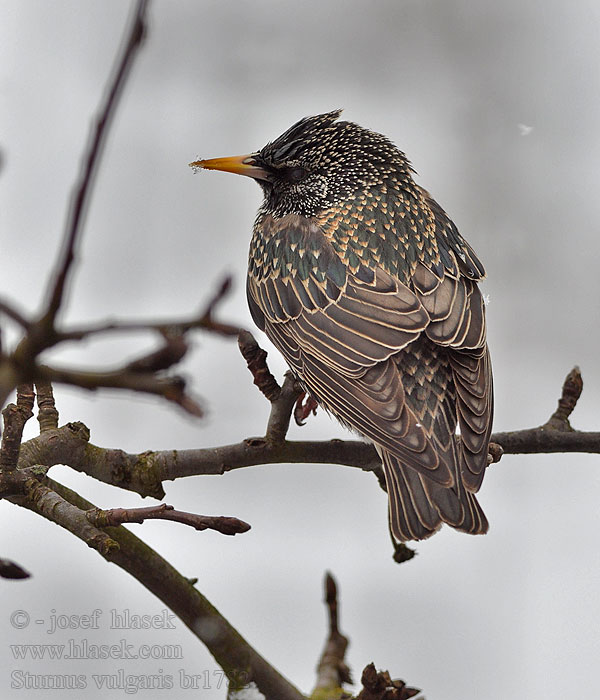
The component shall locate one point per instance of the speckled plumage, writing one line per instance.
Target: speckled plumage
(369, 291)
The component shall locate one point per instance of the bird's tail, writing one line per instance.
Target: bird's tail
(418, 506)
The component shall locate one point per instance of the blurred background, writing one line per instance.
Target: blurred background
(498, 106)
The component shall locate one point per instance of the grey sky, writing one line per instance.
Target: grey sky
(453, 83)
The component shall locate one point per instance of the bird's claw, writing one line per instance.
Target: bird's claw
(303, 410)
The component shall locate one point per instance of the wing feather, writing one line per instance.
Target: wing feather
(475, 398)
(373, 404)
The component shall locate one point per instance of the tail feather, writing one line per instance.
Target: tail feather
(418, 506)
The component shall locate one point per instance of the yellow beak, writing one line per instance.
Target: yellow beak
(240, 165)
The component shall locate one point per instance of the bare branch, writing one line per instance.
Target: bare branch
(20, 366)
(545, 440)
(226, 525)
(137, 375)
(144, 472)
(83, 188)
(167, 326)
(240, 661)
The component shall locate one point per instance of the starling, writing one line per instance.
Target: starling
(362, 281)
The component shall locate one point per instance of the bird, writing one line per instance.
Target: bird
(364, 284)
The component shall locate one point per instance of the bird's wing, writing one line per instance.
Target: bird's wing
(341, 351)
(342, 331)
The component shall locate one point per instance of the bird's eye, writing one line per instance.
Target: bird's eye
(295, 173)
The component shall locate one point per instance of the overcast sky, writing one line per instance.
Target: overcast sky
(498, 106)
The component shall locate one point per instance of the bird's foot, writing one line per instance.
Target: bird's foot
(303, 410)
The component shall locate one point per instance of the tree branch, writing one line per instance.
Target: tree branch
(332, 671)
(144, 472)
(241, 663)
(171, 388)
(82, 190)
(21, 366)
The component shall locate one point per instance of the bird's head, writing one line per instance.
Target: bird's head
(317, 163)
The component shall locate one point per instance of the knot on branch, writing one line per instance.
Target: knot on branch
(79, 430)
(106, 546)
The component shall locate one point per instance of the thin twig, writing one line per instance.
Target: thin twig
(82, 190)
(222, 291)
(171, 327)
(170, 353)
(226, 525)
(171, 388)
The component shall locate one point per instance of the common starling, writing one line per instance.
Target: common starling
(364, 284)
